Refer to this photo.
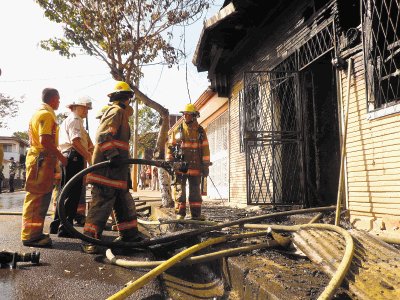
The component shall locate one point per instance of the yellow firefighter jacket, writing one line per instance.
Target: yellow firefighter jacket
(192, 141)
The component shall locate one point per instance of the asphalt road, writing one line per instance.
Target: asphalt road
(64, 271)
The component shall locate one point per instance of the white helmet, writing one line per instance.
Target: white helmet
(82, 101)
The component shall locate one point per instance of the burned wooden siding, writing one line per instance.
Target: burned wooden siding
(373, 151)
(269, 46)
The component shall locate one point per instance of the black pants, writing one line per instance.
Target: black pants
(11, 182)
(74, 166)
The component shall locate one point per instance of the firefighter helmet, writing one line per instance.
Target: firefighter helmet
(85, 101)
(190, 108)
(121, 88)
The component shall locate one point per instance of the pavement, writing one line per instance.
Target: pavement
(64, 271)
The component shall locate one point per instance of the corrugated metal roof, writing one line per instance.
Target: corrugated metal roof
(375, 269)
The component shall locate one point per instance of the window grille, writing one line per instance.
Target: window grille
(381, 40)
(317, 46)
(272, 138)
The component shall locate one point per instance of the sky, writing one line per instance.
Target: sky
(27, 69)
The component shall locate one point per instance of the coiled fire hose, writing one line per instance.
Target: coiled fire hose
(131, 287)
(158, 240)
(327, 294)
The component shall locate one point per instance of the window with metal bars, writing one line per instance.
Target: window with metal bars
(381, 39)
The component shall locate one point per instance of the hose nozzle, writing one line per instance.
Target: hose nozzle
(11, 258)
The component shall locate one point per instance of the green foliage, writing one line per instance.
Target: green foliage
(8, 108)
(23, 135)
(147, 128)
(126, 34)
(148, 120)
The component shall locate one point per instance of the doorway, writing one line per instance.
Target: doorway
(321, 132)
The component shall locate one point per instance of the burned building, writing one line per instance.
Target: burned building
(313, 90)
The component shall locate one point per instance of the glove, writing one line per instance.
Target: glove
(205, 171)
(116, 162)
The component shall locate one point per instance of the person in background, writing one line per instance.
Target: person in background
(142, 177)
(148, 177)
(110, 185)
(1, 177)
(188, 142)
(41, 163)
(12, 171)
(154, 179)
(76, 146)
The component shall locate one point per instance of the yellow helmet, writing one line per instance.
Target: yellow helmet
(190, 108)
(121, 87)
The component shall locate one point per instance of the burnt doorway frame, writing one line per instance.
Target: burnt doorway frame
(321, 123)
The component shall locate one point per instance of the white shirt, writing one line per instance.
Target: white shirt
(70, 129)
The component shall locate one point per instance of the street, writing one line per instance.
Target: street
(64, 271)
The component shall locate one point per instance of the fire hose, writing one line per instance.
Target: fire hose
(179, 259)
(169, 167)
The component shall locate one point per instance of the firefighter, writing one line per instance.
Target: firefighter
(77, 147)
(41, 162)
(189, 143)
(110, 185)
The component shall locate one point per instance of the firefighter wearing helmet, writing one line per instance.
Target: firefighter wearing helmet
(188, 142)
(110, 185)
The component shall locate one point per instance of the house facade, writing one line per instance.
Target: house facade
(214, 119)
(16, 148)
(313, 89)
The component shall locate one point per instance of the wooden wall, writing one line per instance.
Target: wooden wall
(237, 159)
(373, 158)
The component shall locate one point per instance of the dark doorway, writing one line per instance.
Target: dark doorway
(321, 132)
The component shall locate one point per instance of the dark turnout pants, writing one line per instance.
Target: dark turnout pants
(74, 166)
(104, 201)
(195, 199)
(11, 182)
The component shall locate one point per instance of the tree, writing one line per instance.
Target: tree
(125, 34)
(8, 108)
(147, 129)
(23, 135)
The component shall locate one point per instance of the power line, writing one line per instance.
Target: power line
(50, 78)
(93, 84)
(186, 71)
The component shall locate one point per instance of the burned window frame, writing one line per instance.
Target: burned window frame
(381, 46)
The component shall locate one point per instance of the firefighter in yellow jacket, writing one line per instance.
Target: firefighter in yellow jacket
(40, 169)
(110, 185)
(188, 142)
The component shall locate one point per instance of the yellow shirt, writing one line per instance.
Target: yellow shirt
(43, 122)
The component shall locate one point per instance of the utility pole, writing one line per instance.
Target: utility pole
(135, 144)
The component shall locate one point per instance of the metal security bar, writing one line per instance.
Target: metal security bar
(272, 139)
(381, 39)
(317, 46)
